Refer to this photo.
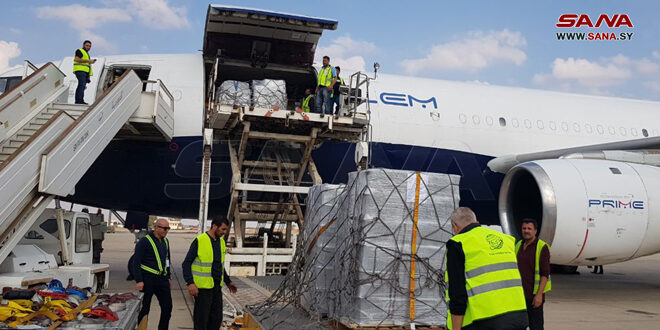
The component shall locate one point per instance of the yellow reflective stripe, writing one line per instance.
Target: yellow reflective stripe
(490, 268)
(494, 286)
(325, 76)
(200, 274)
(160, 265)
(149, 269)
(202, 264)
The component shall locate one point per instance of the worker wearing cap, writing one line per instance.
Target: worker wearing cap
(484, 290)
(151, 263)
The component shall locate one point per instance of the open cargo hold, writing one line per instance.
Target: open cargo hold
(252, 45)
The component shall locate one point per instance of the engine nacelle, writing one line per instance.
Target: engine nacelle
(592, 212)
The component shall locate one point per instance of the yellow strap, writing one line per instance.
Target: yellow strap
(316, 237)
(414, 248)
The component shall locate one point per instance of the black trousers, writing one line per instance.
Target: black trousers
(535, 316)
(208, 309)
(159, 286)
(82, 84)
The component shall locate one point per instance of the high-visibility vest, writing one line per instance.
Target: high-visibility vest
(537, 274)
(492, 279)
(305, 103)
(85, 67)
(161, 270)
(325, 76)
(201, 267)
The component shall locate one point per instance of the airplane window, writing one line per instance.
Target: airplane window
(564, 126)
(476, 120)
(528, 123)
(622, 131)
(552, 125)
(600, 129)
(588, 128)
(633, 131)
(463, 118)
(611, 130)
(515, 123)
(615, 170)
(539, 124)
(576, 127)
(645, 132)
(502, 122)
(489, 120)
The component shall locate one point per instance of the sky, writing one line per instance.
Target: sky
(512, 43)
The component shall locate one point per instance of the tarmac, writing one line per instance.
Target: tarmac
(626, 296)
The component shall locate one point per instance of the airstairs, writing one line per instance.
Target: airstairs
(46, 146)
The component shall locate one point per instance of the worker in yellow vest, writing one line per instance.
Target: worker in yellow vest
(335, 91)
(205, 274)
(326, 82)
(82, 68)
(151, 268)
(534, 265)
(307, 102)
(483, 283)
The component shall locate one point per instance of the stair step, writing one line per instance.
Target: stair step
(21, 138)
(6, 153)
(45, 115)
(14, 143)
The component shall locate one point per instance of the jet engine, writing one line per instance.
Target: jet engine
(591, 212)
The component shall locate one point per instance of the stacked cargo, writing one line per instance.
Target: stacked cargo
(318, 299)
(375, 263)
(269, 93)
(234, 92)
(266, 93)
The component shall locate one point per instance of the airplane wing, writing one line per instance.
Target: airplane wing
(635, 151)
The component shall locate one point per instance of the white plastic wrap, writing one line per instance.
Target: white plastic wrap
(234, 92)
(269, 93)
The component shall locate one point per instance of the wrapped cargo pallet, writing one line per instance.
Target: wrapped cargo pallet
(394, 246)
(234, 92)
(372, 254)
(321, 216)
(269, 93)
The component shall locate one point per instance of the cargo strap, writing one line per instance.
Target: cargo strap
(413, 252)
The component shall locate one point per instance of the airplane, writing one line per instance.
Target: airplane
(583, 165)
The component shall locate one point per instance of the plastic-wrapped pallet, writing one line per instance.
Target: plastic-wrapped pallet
(269, 93)
(234, 92)
(375, 267)
(320, 223)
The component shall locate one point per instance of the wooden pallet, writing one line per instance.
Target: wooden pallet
(346, 325)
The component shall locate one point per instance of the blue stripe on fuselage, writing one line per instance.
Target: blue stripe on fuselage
(164, 178)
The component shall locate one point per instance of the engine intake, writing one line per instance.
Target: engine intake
(591, 212)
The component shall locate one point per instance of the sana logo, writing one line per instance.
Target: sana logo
(494, 241)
